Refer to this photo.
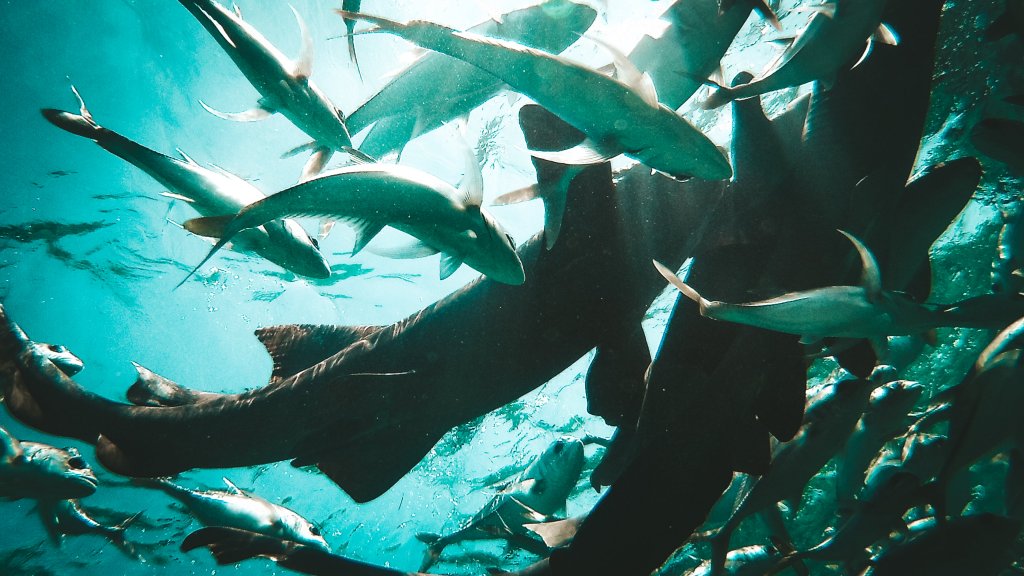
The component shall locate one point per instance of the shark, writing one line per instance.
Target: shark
(41, 471)
(208, 191)
(616, 117)
(284, 85)
(414, 102)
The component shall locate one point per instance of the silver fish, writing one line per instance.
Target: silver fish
(209, 192)
(372, 196)
(42, 472)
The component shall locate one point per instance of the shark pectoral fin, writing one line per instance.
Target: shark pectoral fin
(868, 47)
(208, 226)
(413, 249)
(365, 231)
(315, 164)
(304, 65)
(326, 225)
(257, 113)
(10, 447)
(556, 533)
(524, 194)
(449, 264)
(886, 35)
(555, 196)
(295, 347)
(174, 196)
(871, 277)
(308, 146)
(584, 153)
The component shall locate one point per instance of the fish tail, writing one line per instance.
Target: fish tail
(382, 24)
(81, 124)
(719, 97)
(435, 544)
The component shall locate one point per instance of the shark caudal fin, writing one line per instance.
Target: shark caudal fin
(435, 544)
(81, 124)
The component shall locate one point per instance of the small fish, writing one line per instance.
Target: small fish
(372, 196)
(68, 517)
(285, 85)
(617, 118)
(533, 496)
(209, 192)
(42, 472)
(237, 509)
(829, 42)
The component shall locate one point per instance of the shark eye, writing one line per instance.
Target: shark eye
(315, 243)
(314, 530)
(511, 240)
(558, 447)
(57, 348)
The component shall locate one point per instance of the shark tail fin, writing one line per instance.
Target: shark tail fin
(435, 544)
(81, 124)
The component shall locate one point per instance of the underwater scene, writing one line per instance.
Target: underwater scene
(545, 288)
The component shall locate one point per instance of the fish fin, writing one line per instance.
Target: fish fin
(682, 286)
(152, 389)
(10, 447)
(627, 72)
(886, 35)
(186, 157)
(435, 545)
(720, 96)
(555, 195)
(472, 184)
(258, 113)
(295, 347)
(326, 225)
(221, 242)
(82, 109)
(556, 533)
(524, 194)
(449, 264)
(871, 277)
(308, 146)
(304, 65)
(415, 248)
(232, 488)
(868, 48)
(359, 156)
(583, 153)
(208, 226)
(382, 24)
(785, 41)
(315, 164)
(365, 231)
(174, 196)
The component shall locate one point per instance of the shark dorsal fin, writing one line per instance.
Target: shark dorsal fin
(10, 447)
(871, 277)
(304, 65)
(295, 347)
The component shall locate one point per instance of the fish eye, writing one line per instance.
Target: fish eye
(511, 240)
(57, 348)
(558, 447)
(314, 241)
(314, 530)
(77, 463)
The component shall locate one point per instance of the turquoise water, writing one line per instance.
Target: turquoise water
(90, 251)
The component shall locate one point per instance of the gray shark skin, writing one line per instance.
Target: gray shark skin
(377, 195)
(42, 472)
(238, 509)
(415, 103)
(617, 118)
(63, 358)
(209, 192)
(285, 86)
(574, 295)
(577, 294)
(533, 496)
